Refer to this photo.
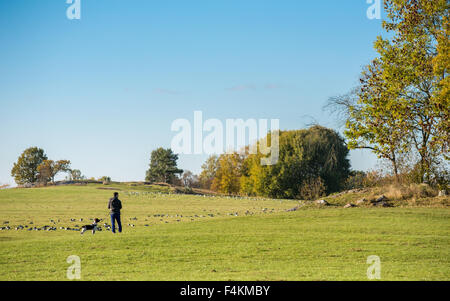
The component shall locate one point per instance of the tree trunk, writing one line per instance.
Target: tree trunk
(394, 164)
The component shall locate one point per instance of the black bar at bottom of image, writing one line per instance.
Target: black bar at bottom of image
(218, 290)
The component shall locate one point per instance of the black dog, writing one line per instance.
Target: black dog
(92, 227)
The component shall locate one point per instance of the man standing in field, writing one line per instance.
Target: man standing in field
(114, 206)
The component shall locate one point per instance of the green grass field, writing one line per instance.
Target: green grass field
(211, 242)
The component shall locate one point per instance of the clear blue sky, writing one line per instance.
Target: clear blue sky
(103, 91)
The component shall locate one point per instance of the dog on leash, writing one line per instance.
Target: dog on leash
(92, 227)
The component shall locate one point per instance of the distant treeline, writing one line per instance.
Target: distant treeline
(312, 162)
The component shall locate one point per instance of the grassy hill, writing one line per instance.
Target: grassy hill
(194, 237)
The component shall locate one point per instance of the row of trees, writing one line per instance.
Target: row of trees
(33, 166)
(401, 108)
(311, 162)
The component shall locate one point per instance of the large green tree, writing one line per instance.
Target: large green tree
(25, 170)
(317, 153)
(402, 102)
(163, 166)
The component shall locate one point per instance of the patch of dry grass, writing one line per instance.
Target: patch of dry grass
(398, 195)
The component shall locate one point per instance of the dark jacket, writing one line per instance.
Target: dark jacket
(114, 205)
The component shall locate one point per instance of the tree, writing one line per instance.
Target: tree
(409, 63)
(25, 170)
(441, 66)
(305, 156)
(48, 169)
(45, 171)
(75, 175)
(229, 171)
(402, 102)
(163, 166)
(209, 169)
(189, 180)
(61, 166)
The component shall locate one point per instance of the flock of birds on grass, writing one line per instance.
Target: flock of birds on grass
(30, 226)
(170, 194)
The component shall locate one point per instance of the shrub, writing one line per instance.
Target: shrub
(403, 192)
(357, 179)
(105, 180)
(312, 189)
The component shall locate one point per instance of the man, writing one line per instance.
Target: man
(114, 206)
